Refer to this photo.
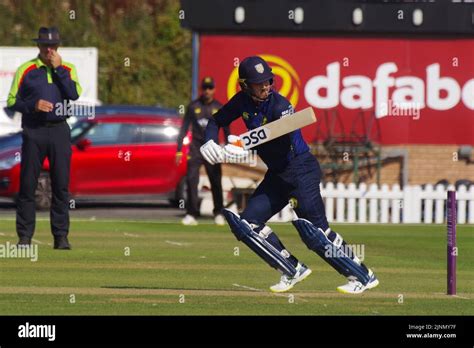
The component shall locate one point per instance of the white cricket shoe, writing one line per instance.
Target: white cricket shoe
(189, 220)
(286, 283)
(219, 220)
(356, 287)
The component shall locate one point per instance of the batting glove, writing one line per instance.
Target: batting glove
(233, 151)
(212, 152)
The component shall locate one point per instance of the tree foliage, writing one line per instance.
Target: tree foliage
(146, 33)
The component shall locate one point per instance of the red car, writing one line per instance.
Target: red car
(123, 153)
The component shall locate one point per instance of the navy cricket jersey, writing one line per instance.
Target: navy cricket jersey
(276, 153)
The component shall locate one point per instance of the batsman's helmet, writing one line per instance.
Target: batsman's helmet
(254, 70)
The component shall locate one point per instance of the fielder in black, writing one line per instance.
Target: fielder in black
(198, 114)
(40, 90)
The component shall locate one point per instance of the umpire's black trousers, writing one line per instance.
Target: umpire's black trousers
(192, 180)
(54, 142)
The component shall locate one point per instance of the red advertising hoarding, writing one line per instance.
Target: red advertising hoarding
(421, 90)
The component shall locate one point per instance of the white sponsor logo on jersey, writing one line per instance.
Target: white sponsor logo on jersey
(288, 111)
(203, 122)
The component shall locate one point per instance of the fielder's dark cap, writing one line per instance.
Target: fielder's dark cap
(208, 82)
(48, 36)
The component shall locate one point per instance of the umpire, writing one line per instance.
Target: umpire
(41, 89)
(198, 114)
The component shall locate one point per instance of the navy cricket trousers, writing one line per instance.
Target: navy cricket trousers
(300, 182)
(53, 142)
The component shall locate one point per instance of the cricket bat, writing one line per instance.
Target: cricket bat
(275, 129)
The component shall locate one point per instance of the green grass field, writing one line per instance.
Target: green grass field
(176, 270)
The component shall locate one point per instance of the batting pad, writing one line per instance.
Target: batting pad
(244, 233)
(317, 241)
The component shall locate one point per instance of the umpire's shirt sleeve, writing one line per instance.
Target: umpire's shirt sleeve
(68, 81)
(16, 101)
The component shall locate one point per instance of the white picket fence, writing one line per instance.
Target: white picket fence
(371, 204)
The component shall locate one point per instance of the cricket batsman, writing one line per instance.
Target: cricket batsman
(293, 176)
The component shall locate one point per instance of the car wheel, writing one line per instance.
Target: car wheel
(180, 194)
(43, 192)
